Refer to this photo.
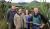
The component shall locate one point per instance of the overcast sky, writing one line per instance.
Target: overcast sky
(16, 1)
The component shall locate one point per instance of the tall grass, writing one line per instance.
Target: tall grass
(3, 24)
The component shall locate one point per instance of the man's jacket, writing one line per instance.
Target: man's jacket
(10, 16)
(38, 19)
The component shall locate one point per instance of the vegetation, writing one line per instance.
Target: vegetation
(4, 7)
(3, 24)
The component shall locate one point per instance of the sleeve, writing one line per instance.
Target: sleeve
(25, 21)
(15, 19)
(8, 14)
(24, 18)
(32, 18)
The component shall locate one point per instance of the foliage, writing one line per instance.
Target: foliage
(3, 24)
(43, 6)
(1, 11)
(4, 7)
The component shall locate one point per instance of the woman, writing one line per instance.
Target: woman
(24, 19)
(28, 19)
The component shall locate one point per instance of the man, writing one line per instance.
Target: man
(18, 20)
(37, 19)
(10, 17)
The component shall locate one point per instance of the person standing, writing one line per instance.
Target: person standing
(28, 19)
(10, 17)
(23, 19)
(18, 20)
(37, 18)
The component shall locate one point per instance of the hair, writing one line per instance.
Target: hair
(13, 5)
(36, 7)
(29, 11)
(23, 11)
(38, 10)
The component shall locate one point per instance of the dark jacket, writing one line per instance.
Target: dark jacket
(44, 19)
(10, 16)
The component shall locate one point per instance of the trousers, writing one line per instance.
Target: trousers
(35, 26)
(11, 25)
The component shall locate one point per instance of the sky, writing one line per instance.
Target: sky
(16, 1)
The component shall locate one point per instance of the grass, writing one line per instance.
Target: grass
(3, 24)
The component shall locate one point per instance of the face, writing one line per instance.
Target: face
(22, 13)
(19, 11)
(26, 12)
(36, 10)
(30, 14)
(13, 7)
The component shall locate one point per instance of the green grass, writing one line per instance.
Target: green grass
(3, 24)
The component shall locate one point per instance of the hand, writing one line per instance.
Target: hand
(7, 22)
(31, 22)
(42, 26)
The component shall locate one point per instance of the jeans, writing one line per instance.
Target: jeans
(28, 25)
(11, 25)
(36, 26)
